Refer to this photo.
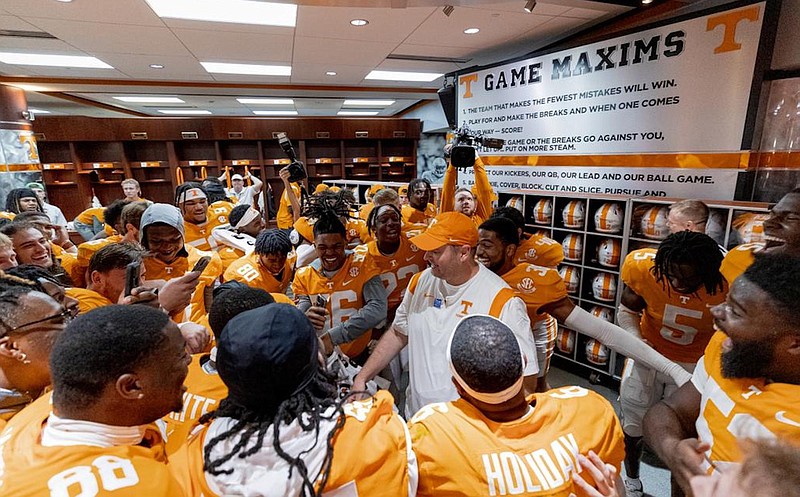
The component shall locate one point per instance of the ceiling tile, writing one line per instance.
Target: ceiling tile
(117, 38)
(227, 27)
(16, 23)
(185, 68)
(225, 45)
(36, 45)
(315, 73)
(121, 12)
(330, 51)
(384, 24)
(585, 13)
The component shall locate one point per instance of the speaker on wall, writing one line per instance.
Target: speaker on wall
(447, 97)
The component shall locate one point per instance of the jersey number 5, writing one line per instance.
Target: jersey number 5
(675, 332)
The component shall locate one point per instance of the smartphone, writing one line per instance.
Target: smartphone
(133, 273)
(321, 301)
(201, 264)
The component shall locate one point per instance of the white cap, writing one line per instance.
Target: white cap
(237, 176)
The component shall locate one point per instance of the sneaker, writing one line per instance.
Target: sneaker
(633, 487)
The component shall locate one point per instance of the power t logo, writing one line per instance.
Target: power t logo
(466, 81)
(729, 21)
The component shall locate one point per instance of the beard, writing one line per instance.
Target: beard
(751, 359)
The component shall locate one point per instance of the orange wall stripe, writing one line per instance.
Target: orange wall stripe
(733, 160)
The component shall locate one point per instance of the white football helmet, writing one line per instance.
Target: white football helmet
(604, 287)
(543, 211)
(571, 277)
(596, 353)
(608, 218)
(565, 341)
(516, 202)
(574, 213)
(654, 223)
(603, 313)
(572, 245)
(750, 226)
(608, 252)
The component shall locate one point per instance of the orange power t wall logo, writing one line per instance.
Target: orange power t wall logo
(729, 21)
(466, 81)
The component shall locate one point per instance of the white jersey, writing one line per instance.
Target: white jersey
(428, 314)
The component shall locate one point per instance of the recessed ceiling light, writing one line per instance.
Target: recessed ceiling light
(36, 59)
(256, 69)
(185, 112)
(359, 22)
(234, 11)
(530, 5)
(645, 2)
(357, 113)
(403, 76)
(157, 66)
(275, 112)
(471, 31)
(64, 1)
(150, 100)
(369, 103)
(266, 101)
(39, 111)
(330, 73)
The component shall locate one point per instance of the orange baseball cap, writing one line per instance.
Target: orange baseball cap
(320, 188)
(335, 189)
(448, 228)
(375, 189)
(403, 190)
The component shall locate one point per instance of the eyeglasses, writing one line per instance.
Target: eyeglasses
(65, 316)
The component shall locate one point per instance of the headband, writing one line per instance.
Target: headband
(191, 194)
(249, 215)
(486, 397)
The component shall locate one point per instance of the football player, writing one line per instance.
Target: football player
(747, 383)
(477, 206)
(667, 302)
(192, 200)
(420, 211)
(269, 266)
(532, 249)
(115, 371)
(494, 440)
(781, 235)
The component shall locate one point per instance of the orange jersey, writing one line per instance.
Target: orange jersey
(371, 456)
(229, 254)
(343, 292)
(365, 209)
(158, 271)
(218, 213)
(536, 286)
(678, 326)
(87, 299)
(204, 391)
(357, 228)
(87, 216)
(738, 260)
(482, 191)
(249, 271)
(733, 409)
(7, 215)
(29, 469)
(284, 216)
(199, 235)
(85, 252)
(395, 270)
(281, 298)
(462, 452)
(539, 250)
(417, 219)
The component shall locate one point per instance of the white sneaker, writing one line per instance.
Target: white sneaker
(633, 487)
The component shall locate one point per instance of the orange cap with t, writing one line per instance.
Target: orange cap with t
(448, 228)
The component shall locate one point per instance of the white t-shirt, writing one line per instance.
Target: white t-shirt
(429, 315)
(55, 214)
(243, 197)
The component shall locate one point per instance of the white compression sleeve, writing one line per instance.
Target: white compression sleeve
(622, 342)
(629, 320)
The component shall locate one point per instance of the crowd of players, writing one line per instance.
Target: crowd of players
(188, 350)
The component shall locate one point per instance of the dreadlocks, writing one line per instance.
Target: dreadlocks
(14, 196)
(697, 250)
(329, 210)
(273, 241)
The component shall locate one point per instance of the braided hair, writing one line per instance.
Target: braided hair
(273, 241)
(697, 250)
(308, 406)
(12, 287)
(328, 209)
(14, 196)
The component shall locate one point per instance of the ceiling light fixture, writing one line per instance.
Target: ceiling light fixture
(357, 113)
(185, 112)
(447, 10)
(645, 2)
(255, 69)
(156, 66)
(233, 11)
(330, 73)
(359, 22)
(471, 31)
(426, 77)
(369, 103)
(150, 100)
(529, 5)
(275, 112)
(63, 1)
(36, 59)
(266, 101)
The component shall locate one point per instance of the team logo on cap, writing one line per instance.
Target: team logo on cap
(526, 286)
(353, 272)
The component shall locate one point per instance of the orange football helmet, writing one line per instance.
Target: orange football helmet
(574, 214)
(543, 211)
(609, 218)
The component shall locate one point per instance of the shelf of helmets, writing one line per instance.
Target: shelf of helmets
(360, 187)
(591, 231)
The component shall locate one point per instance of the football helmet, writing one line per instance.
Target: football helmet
(608, 218)
(516, 202)
(572, 245)
(565, 341)
(603, 313)
(608, 252)
(750, 226)
(654, 223)
(604, 287)
(596, 353)
(543, 211)
(571, 277)
(573, 214)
